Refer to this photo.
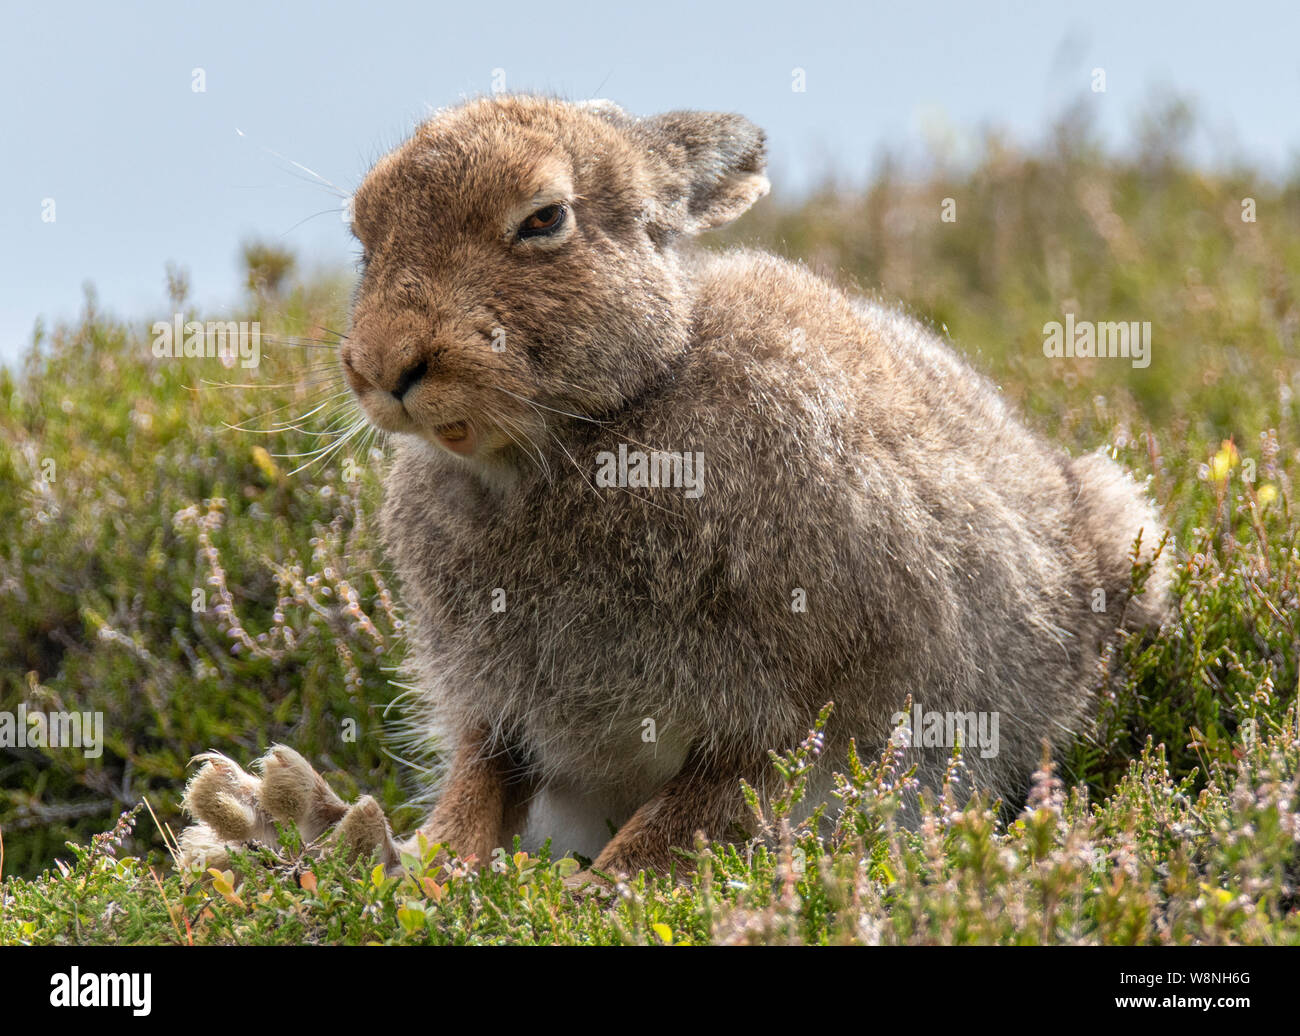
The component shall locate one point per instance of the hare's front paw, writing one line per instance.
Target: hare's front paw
(233, 808)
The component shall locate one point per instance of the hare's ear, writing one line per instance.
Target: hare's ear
(708, 167)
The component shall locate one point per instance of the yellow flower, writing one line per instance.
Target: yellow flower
(1266, 494)
(265, 464)
(1224, 461)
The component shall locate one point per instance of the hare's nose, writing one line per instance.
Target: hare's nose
(409, 377)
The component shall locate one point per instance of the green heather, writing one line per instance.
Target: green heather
(129, 484)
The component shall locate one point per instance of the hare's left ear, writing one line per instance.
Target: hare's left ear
(707, 167)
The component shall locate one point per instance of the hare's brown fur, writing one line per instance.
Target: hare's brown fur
(851, 460)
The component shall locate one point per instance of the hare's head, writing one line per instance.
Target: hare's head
(519, 262)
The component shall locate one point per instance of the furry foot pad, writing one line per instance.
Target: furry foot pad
(233, 808)
(588, 885)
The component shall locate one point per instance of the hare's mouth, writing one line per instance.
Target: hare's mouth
(458, 437)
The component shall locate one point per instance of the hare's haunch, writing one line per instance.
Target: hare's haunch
(652, 507)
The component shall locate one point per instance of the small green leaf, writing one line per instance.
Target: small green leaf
(566, 866)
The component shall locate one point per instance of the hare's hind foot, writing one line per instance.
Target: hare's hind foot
(235, 809)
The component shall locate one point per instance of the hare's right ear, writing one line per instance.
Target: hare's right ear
(707, 168)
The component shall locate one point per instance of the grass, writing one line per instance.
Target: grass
(182, 578)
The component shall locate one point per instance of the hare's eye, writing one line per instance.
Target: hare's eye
(542, 222)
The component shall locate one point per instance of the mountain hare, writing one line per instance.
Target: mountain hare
(652, 507)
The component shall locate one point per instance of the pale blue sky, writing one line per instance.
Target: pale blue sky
(97, 110)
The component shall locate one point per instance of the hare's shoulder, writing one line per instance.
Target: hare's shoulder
(789, 322)
(753, 296)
